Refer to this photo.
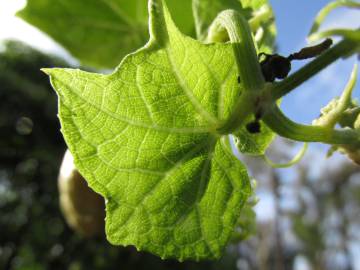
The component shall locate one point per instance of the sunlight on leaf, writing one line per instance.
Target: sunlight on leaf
(145, 138)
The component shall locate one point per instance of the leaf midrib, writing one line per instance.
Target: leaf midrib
(210, 142)
(212, 121)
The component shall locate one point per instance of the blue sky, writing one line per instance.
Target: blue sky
(294, 20)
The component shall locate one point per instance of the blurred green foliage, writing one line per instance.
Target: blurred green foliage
(101, 33)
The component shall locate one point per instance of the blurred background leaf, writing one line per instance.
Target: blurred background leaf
(100, 33)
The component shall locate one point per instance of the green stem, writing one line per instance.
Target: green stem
(285, 127)
(350, 34)
(232, 24)
(290, 163)
(328, 8)
(342, 49)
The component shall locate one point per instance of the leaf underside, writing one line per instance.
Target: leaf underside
(145, 138)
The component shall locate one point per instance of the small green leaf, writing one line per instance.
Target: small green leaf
(246, 226)
(145, 138)
(100, 32)
(253, 144)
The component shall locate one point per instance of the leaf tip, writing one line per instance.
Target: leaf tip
(47, 71)
(53, 71)
(21, 13)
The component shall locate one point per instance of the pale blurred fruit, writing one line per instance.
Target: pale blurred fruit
(354, 156)
(83, 209)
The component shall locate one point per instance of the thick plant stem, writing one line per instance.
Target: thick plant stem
(230, 24)
(233, 25)
(342, 49)
(285, 127)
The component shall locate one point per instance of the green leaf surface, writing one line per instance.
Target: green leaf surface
(100, 33)
(145, 138)
(253, 4)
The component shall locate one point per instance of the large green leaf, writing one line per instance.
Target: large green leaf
(100, 32)
(145, 138)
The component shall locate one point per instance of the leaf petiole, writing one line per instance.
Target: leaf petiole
(233, 25)
(287, 128)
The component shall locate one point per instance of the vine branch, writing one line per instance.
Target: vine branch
(342, 49)
(287, 128)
